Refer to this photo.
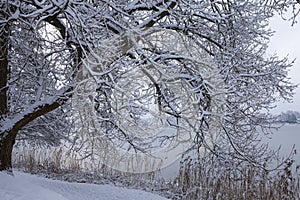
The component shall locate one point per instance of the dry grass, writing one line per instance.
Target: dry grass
(205, 180)
(65, 165)
(50, 160)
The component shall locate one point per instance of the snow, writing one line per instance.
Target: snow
(9, 123)
(23, 186)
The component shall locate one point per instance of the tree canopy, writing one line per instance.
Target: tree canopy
(49, 46)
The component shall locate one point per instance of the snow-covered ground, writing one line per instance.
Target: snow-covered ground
(30, 187)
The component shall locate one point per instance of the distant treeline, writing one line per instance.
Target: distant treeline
(291, 117)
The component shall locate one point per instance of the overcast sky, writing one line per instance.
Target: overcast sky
(286, 41)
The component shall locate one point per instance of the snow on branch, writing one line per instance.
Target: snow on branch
(35, 110)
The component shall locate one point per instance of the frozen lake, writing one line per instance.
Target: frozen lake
(286, 137)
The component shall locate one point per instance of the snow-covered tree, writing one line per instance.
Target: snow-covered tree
(46, 44)
(288, 117)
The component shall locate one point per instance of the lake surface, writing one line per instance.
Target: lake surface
(285, 137)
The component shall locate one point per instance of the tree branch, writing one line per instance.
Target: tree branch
(158, 16)
(36, 110)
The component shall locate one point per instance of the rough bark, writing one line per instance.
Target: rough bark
(6, 148)
(7, 142)
(3, 67)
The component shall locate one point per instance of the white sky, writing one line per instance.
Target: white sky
(286, 41)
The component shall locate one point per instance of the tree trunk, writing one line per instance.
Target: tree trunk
(19, 120)
(6, 148)
(4, 33)
(6, 139)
